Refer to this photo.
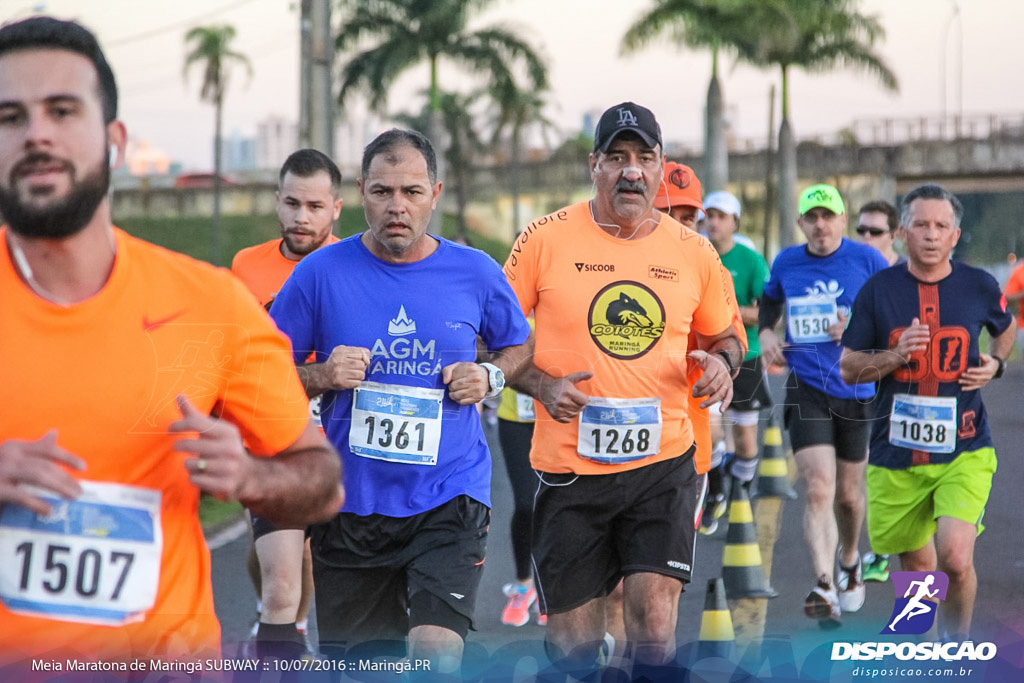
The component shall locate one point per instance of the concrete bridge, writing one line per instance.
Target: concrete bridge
(980, 158)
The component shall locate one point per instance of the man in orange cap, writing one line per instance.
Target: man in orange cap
(679, 194)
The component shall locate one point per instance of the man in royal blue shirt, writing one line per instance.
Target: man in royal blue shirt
(393, 316)
(827, 419)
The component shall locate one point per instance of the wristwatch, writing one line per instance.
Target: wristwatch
(1002, 367)
(495, 378)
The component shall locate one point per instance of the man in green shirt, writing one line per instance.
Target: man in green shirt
(749, 273)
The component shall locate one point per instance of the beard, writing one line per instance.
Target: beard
(296, 247)
(59, 218)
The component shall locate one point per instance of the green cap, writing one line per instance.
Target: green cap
(821, 195)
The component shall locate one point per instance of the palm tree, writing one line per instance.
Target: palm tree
(211, 46)
(407, 32)
(817, 36)
(713, 24)
(464, 143)
(517, 110)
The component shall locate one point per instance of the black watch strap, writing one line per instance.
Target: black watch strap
(1002, 367)
(728, 361)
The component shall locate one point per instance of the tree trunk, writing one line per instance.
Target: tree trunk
(769, 178)
(787, 185)
(517, 226)
(716, 152)
(217, 166)
(787, 172)
(437, 138)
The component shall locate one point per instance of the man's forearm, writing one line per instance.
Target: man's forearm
(1003, 344)
(313, 379)
(297, 488)
(863, 367)
(731, 346)
(529, 380)
(513, 359)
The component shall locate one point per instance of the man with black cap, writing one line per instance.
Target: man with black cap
(620, 487)
(827, 419)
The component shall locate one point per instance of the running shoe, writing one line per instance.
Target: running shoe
(714, 508)
(876, 567)
(520, 599)
(822, 603)
(851, 586)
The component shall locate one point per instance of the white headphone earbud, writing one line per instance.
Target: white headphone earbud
(113, 155)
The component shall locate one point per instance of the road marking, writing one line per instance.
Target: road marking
(229, 533)
(748, 614)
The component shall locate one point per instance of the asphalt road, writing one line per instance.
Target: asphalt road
(774, 640)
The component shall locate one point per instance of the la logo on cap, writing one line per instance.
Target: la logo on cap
(626, 117)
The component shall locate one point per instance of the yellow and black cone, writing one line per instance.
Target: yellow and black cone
(773, 472)
(716, 633)
(742, 572)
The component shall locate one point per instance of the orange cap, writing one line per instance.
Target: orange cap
(680, 187)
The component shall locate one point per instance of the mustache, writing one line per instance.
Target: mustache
(37, 158)
(631, 186)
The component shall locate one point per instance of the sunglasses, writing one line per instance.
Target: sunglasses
(874, 232)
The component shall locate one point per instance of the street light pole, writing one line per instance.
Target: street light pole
(960, 67)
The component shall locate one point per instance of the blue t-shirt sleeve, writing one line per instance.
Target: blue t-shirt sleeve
(860, 333)
(293, 309)
(503, 323)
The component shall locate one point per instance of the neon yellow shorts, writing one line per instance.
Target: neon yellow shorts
(903, 505)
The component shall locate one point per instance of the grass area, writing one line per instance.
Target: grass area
(213, 512)
(193, 236)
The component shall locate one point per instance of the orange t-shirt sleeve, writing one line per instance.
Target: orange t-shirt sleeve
(264, 397)
(521, 270)
(737, 317)
(717, 306)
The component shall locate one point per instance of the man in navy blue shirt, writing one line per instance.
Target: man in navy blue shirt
(915, 330)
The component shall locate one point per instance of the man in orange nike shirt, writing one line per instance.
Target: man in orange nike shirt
(308, 204)
(107, 443)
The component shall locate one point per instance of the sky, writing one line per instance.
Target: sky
(928, 44)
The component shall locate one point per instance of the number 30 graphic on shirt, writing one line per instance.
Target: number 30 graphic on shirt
(944, 359)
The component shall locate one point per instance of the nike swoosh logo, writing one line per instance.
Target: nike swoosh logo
(149, 325)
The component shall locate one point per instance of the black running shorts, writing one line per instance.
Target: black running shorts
(815, 418)
(369, 570)
(750, 387)
(591, 530)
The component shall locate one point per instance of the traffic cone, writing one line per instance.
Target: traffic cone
(773, 472)
(741, 559)
(716, 633)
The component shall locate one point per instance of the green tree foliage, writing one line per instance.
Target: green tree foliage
(210, 48)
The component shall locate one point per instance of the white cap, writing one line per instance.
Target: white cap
(724, 202)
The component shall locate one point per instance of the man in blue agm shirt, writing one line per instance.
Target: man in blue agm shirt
(394, 315)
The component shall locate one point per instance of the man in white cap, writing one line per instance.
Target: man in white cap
(749, 272)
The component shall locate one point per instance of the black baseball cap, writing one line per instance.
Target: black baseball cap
(623, 117)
